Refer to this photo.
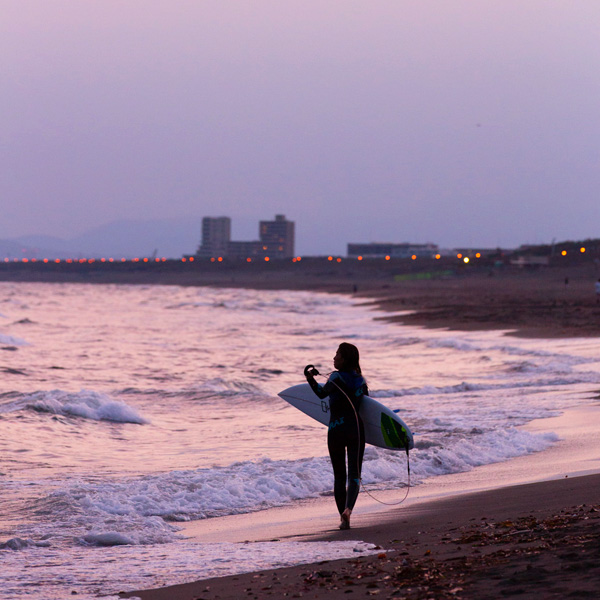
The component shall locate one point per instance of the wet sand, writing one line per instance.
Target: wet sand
(524, 527)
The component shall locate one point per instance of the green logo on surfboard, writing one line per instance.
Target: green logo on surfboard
(394, 434)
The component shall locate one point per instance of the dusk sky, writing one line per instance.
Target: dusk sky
(458, 122)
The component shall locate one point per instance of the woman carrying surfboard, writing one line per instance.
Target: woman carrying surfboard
(345, 387)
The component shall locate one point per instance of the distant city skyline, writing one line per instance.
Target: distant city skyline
(276, 239)
(183, 238)
(457, 123)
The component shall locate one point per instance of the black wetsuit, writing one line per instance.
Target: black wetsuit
(346, 432)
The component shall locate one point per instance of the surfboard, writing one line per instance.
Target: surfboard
(383, 427)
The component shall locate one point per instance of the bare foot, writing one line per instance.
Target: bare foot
(345, 524)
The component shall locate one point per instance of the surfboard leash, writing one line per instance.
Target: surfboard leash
(362, 485)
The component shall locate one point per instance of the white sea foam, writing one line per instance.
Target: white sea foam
(224, 386)
(453, 344)
(86, 404)
(11, 340)
(110, 538)
(143, 567)
(144, 510)
(20, 544)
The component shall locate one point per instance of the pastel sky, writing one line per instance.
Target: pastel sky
(458, 122)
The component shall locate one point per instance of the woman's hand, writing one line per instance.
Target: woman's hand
(310, 371)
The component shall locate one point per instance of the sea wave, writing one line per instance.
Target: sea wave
(11, 340)
(565, 379)
(86, 404)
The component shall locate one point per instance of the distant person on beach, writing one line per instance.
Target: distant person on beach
(345, 387)
(598, 291)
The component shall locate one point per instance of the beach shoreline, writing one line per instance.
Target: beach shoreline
(548, 302)
(474, 545)
(451, 531)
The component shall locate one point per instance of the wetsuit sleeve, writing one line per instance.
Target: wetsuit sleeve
(322, 391)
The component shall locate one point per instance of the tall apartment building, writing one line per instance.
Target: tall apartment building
(216, 235)
(277, 237)
(276, 240)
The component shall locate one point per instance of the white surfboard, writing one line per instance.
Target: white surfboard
(383, 427)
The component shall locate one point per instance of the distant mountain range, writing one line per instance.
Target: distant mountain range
(170, 238)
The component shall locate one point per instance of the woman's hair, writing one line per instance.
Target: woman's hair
(349, 354)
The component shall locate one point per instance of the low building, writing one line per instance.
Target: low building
(245, 250)
(382, 250)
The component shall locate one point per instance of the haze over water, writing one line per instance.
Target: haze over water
(127, 409)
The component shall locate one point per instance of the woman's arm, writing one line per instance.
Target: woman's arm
(322, 391)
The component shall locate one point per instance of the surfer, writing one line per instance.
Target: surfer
(345, 387)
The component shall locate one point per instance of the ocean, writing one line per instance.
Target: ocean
(128, 410)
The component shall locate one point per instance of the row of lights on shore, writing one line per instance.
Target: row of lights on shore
(248, 260)
(295, 259)
(85, 260)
